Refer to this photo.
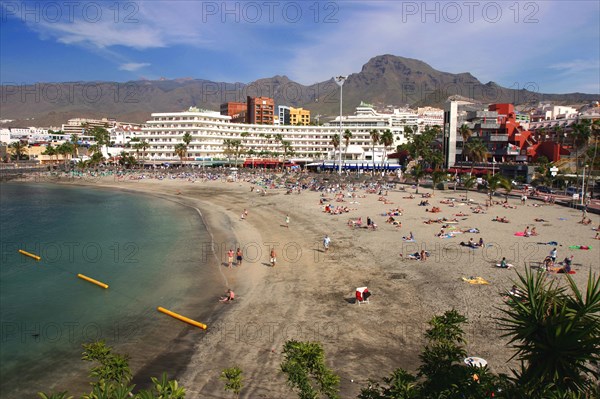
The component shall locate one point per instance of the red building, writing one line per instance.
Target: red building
(260, 110)
(233, 108)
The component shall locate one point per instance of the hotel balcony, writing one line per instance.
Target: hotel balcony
(488, 125)
(506, 151)
(481, 114)
(498, 137)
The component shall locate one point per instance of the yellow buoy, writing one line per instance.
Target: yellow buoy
(182, 318)
(91, 280)
(30, 254)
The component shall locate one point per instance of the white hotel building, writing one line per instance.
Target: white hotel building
(309, 143)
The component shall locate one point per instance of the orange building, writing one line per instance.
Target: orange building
(260, 110)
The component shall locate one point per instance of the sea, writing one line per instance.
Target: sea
(150, 251)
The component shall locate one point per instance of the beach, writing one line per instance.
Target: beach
(309, 294)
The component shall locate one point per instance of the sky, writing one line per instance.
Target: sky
(546, 46)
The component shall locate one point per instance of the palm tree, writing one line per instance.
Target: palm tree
(469, 183)
(187, 139)
(244, 135)
(335, 143)
(476, 150)
(465, 132)
(180, 151)
(417, 173)
(595, 133)
(437, 177)
(96, 152)
(65, 149)
(18, 148)
(75, 145)
(556, 334)
(375, 136)
(143, 146)
(50, 151)
(228, 150)
(347, 137)
(236, 146)
(287, 149)
(387, 139)
(581, 134)
(497, 181)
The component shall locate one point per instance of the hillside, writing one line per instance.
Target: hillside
(383, 80)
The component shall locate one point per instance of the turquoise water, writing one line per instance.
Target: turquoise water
(146, 249)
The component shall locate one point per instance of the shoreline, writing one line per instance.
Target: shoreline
(308, 295)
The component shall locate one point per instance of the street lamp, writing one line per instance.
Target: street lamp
(583, 184)
(340, 81)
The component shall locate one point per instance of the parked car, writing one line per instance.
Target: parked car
(545, 189)
(573, 190)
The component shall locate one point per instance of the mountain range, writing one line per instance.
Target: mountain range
(383, 80)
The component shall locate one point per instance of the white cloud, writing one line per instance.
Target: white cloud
(133, 66)
(504, 51)
(145, 26)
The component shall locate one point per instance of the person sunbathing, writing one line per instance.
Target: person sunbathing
(390, 219)
(533, 232)
(548, 263)
(503, 264)
(516, 293)
(446, 202)
(409, 237)
(470, 244)
(565, 268)
(460, 214)
(417, 255)
(433, 210)
(500, 219)
(409, 197)
(586, 222)
(540, 220)
(229, 296)
(424, 203)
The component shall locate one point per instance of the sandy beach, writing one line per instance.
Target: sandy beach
(309, 294)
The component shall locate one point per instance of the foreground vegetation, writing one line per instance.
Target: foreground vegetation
(554, 327)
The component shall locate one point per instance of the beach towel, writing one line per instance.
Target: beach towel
(475, 280)
(408, 240)
(585, 247)
(520, 234)
(553, 243)
(562, 219)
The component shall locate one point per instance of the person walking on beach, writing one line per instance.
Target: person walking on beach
(239, 257)
(230, 258)
(287, 221)
(273, 257)
(326, 242)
